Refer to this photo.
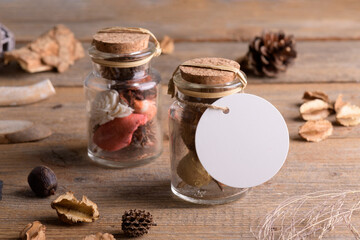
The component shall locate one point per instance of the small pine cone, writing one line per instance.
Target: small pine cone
(269, 54)
(136, 223)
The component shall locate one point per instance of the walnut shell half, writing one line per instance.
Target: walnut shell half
(70, 210)
(33, 231)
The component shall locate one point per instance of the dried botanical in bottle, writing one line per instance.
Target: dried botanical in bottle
(42, 181)
(122, 94)
(192, 172)
(199, 83)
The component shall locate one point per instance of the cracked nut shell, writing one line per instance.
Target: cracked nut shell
(70, 210)
(33, 231)
(42, 180)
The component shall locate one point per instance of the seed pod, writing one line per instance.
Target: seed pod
(42, 181)
(192, 172)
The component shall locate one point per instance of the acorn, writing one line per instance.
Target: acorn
(42, 181)
(191, 171)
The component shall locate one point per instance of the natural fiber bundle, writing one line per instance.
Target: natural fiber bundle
(330, 208)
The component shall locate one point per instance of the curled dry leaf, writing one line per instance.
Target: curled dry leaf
(315, 110)
(316, 131)
(308, 96)
(167, 45)
(33, 231)
(70, 210)
(100, 236)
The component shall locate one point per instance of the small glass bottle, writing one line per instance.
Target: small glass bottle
(122, 98)
(197, 88)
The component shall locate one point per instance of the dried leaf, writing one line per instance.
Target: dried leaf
(316, 131)
(57, 48)
(33, 231)
(100, 236)
(348, 115)
(308, 96)
(167, 45)
(70, 210)
(339, 103)
(315, 110)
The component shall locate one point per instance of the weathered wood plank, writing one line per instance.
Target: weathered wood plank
(317, 62)
(188, 20)
(331, 164)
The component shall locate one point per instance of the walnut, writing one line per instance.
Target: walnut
(33, 231)
(308, 96)
(316, 131)
(100, 236)
(315, 110)
(70, 210)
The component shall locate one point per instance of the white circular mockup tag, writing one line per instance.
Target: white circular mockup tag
(245, 147)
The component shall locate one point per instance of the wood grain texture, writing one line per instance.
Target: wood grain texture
(186, 19)
(331, 164)
(328, 61)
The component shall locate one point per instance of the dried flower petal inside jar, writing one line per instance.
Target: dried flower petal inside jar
(198, 83)
(122, 95)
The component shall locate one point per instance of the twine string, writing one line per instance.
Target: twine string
(238, 73)
(133, 63)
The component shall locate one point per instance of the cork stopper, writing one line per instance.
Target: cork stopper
(120, 43)
(208, 76)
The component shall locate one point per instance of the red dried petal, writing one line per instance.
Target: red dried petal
(117, 134)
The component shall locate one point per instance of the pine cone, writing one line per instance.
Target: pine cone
(269, 54)
(136, 223)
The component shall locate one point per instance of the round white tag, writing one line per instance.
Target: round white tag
(245, 147)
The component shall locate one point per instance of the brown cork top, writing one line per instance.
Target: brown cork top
(120, 42)
(206, 75)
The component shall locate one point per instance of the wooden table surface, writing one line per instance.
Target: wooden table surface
(328, 34)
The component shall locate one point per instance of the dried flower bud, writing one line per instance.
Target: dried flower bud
(42, 181)
(167, 45)
(308, 96)
(33, 231)
(348, 115)
(100, 236)
(315, 110)
(316, 131)
(70, 210)
(339, 103)
(192, 172)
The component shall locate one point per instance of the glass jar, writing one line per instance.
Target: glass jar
(190, 181)
(122, 104)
